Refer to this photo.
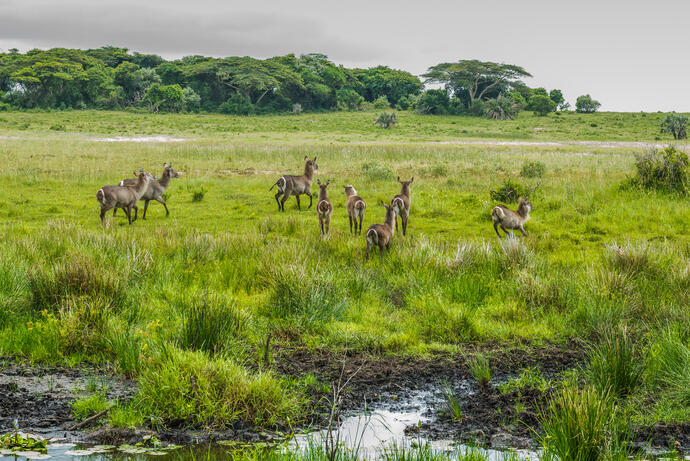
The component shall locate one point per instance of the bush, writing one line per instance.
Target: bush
(386, 120)
(348, 99)
(375, 171)
(192, 101)
(533, 169)
(675, 125)
(509, 192)
(198, 195)
(614, 367)
(501, 109)
(404, 103)
(4, 106)
(381, 103)
(541, 104)
(665, 170)
(586, 105)
(433, 102)
(237, 105)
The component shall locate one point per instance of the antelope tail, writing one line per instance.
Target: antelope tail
(373, 237)
(100, 196)
(498, 213)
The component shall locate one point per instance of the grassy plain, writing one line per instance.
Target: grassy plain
(599, 258)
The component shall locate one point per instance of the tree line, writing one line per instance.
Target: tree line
(115, 78)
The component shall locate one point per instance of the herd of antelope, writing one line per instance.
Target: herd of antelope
(146, 187)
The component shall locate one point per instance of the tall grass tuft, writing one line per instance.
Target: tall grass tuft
(125, 348)
(451, 408)
(614, 365)
(208, 326)
(480, 370)
(575, 424)
(630, 258)
(669, 366)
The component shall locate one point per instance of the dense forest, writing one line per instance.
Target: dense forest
(114, 78)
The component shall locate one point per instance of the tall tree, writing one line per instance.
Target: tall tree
(473, 80)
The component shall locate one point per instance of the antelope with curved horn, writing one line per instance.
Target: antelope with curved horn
(382, 234)
(324, 208)
(355, 208)
(296, 185)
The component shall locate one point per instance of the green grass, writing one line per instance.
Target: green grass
(597, 256)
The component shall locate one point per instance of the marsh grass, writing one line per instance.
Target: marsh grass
(615, 366)
(452, 408)
(211, 325)
(480, 370)
(669, 366)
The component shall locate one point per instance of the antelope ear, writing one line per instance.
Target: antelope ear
(136, 174)
(411, 179)
(399, 179)
(306, 158)
(328, 182)
(318, 181)
(165, 165)
(383, 204)
(141, 170)
(314, 159)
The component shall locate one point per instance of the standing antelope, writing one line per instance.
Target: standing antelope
(124, 196)
(509, 219)
(382, 234)
(156, 188)
(355, 208)
(324, 209)
(401, 203)
(296, 185)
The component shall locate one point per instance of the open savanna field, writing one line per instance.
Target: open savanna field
(184, 304)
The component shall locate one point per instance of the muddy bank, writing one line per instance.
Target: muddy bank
(39, 398)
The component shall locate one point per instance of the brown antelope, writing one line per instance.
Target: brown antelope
(401, 203)
(296, 185)
(324, 208)
(156, 188)
(382, 234)
(355, 208)
(123, 196)
(509, 219)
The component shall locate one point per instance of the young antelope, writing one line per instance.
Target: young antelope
(355, 208)
(509, 219)
(324, 209)
(401, 203)
(382, 234)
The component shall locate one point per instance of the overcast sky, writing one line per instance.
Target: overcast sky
(631, 55)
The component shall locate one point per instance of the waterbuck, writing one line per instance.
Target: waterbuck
(355, 208)
(156, 188)
(401, 203)
(382, 234)
(296, 185)
(324, 209)
(125, 197)
(509, 219)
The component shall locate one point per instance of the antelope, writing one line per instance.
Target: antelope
(355, 208)
(324, 209)
(401, 203)
(382, 234)
(123, 196)
(156, 188)
(296, 185)
(509, 219)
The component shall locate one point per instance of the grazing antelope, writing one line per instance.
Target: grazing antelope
(324, 208)
(401, 203)
(125, 197)
(355, 208)
(296, 185)
(509, 219)
(382, 234)
(156, 188)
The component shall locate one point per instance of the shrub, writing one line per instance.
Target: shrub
(533, 169)
(192, 101)
(198, 195)
(509, 192)
(209, 325)
(665, 170)
(386, 120)
(541, 104)
(614, 367)
(237, 105)
(501, 108)
(375, 171)
(4, 106)
(433, 102)
(348, 99)
(575, 424)
(381, 103)
(675, 125)
(480, 370)
(586, 105)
